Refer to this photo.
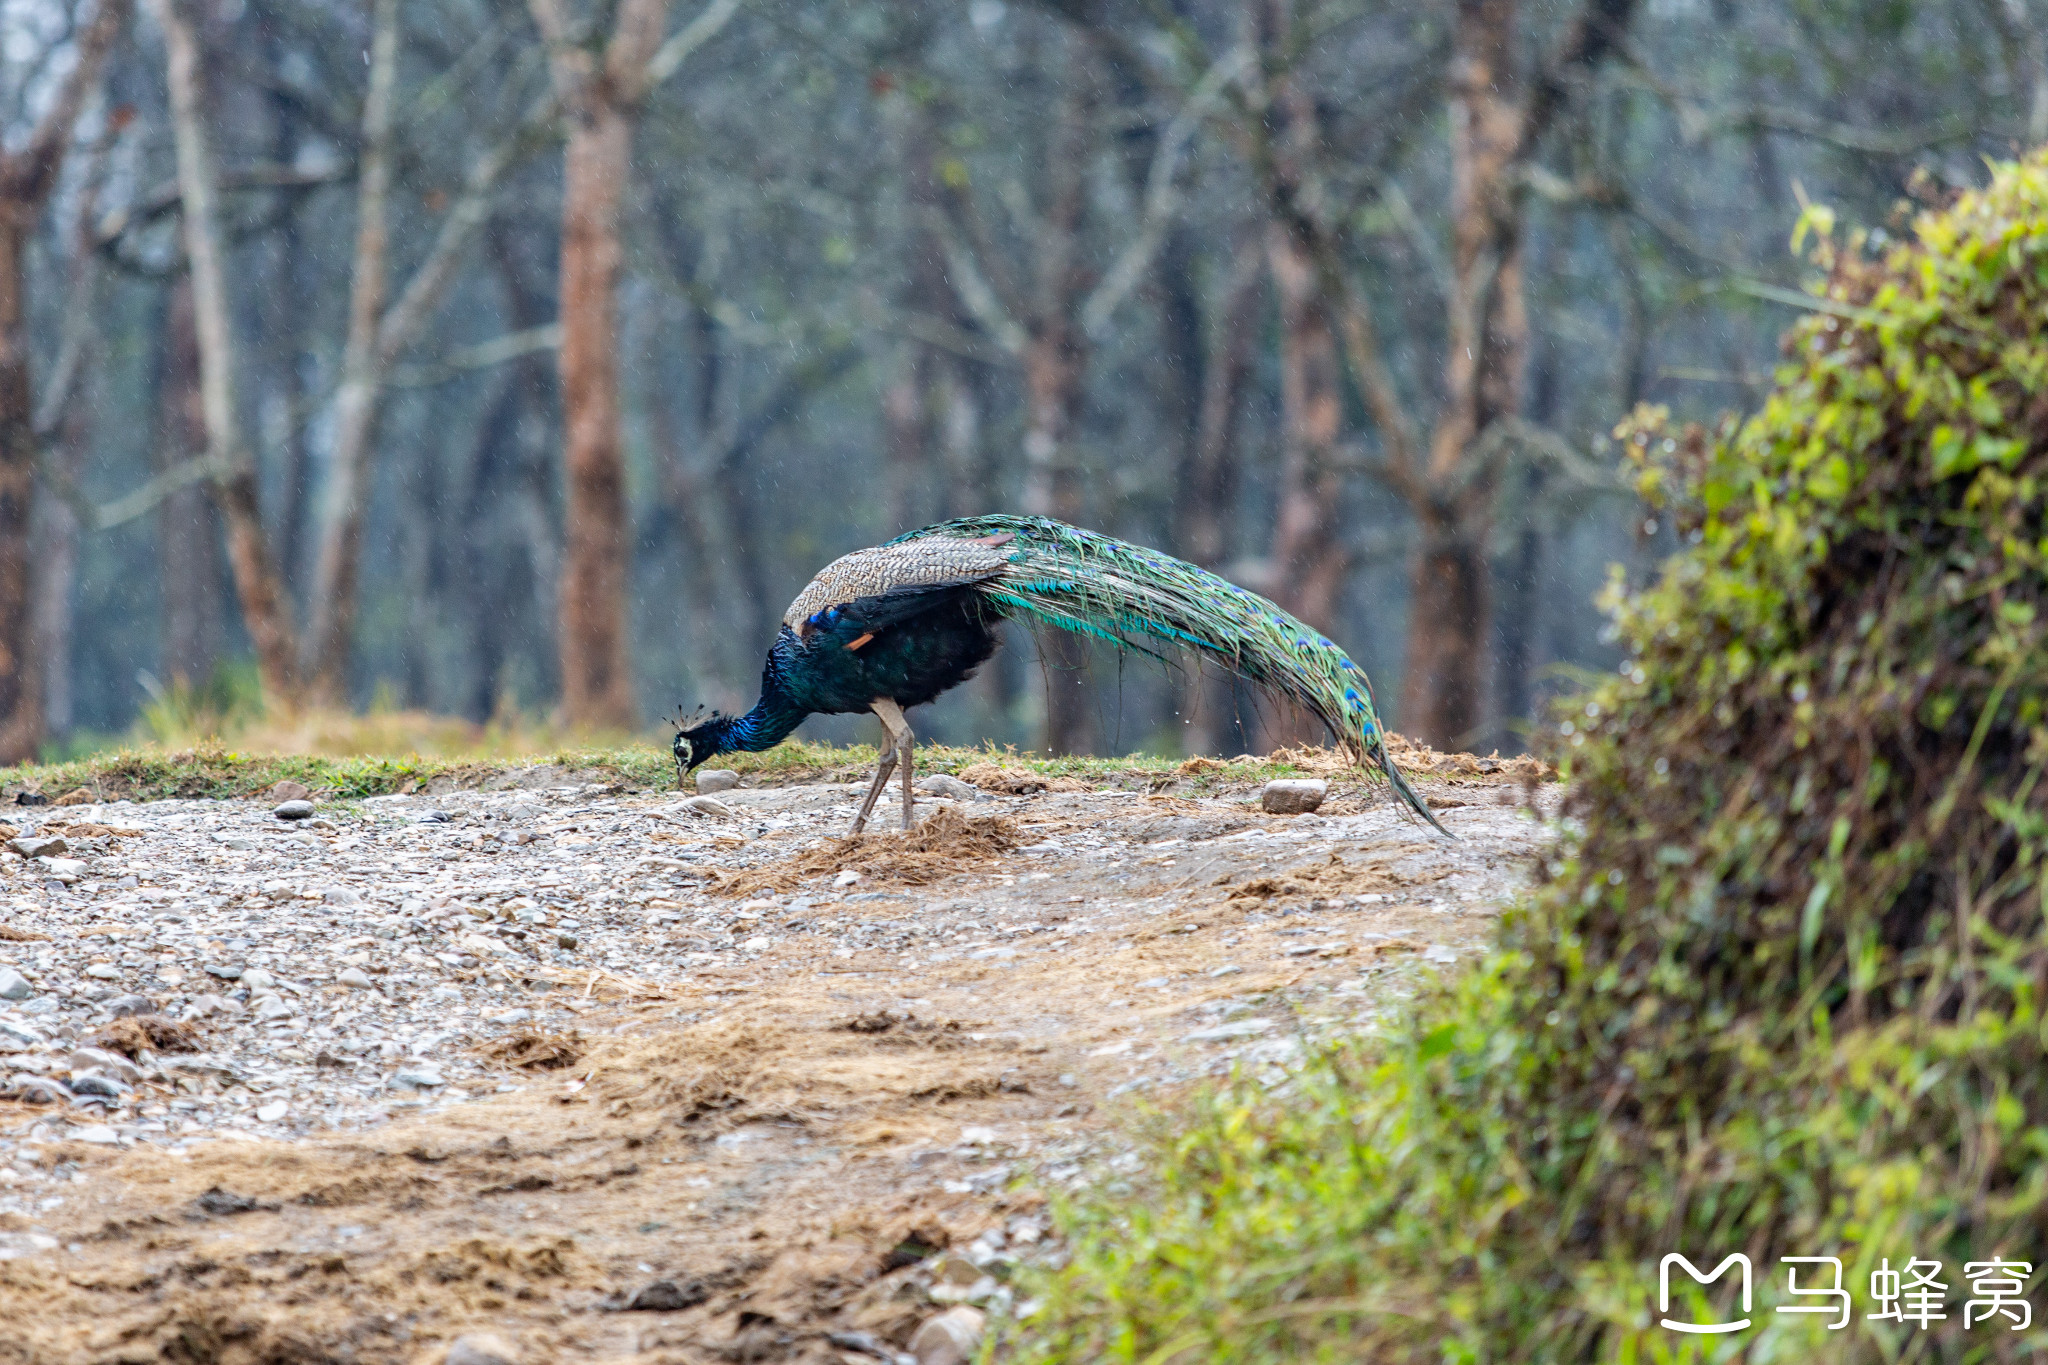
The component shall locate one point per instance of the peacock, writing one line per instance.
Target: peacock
(889, 628)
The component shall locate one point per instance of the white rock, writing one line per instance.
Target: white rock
(943, 784)
(272, 1112)
(95, 1132)
(39, 845)
(104, 971)
(717, 779)
(63, 869)
(356, 978)
(14, 986)
(293, 810)
(481, 1348)
(1293, 795)
(112, 1063)
(256, 979)
(418, 1078)
(951, 1338)
(1223, 1033)
(15, 1245)
(847, 878)
(707, 805)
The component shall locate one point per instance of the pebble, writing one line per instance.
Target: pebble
(340, 895)
(480, 1348)
(39, 845)
(357, 978)
(1293, 795)
(293, 810)
(272, 1112)
(717, 779)
(942, 784)
(707, 805)
(104, 971)
(14, 986)
(288, 791)
(1236, 1028)
(418, 1078)
(949, 1338)
(122, 1006)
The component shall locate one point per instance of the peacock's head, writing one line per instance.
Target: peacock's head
(699, 735)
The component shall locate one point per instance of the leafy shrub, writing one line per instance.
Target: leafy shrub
(1783, 994)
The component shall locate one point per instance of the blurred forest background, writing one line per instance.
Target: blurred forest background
(509, 359)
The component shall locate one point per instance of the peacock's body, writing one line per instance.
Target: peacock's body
(892, 627)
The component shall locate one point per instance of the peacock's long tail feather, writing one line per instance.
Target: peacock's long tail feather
(1096, 585)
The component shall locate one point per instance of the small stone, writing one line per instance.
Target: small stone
(272, 1112)
(111, 1063)
(273, 1007)
(225, 971)
(565, 940)
(951, 1338)
(65, 870)
(356, 978)
(15, 1245)
(1293, 795)
(256, 979)
(301, 809)
(234, 841)
(847, 878)
(341, 895)
(707, 805)
(14, 986)
(666, 1296)
(38, 1090)
(418, 1078)
(289, 790)
(942, 784)
(105, 1087)
(480, 1348)
(39, 845)
(717, 779)
(511, 1017)
(122, 1006)
(96, 1133)
(104, 971)
(1223, 1033)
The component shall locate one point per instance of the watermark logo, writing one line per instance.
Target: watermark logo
(1913, 1295)
(1664, 1291)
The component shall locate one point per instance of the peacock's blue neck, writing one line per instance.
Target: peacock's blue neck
(773, 717)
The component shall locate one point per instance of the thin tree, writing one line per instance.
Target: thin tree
(601, 81)
(27, 177)
(265, 609)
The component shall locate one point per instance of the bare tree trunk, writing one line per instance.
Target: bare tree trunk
(1443, 690)
(1310, 561)
(1207, 481)
(27, 176)
(1055, 371)
(188, 553)
(265, 609)
(597, 684)
(356, 402)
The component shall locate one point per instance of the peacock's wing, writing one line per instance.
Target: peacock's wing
(901, 574)
(1139, 598)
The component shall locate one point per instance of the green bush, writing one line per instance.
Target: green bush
(1783, 993)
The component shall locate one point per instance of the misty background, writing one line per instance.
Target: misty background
(666, 306)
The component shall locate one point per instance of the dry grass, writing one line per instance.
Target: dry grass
(146, 1033)
(1007, 780)
(1339, 878)
(946, 843)
(533, 1050)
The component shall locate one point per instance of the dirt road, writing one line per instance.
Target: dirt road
(618, 1081)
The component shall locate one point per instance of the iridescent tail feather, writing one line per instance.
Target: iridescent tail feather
(1097, 585)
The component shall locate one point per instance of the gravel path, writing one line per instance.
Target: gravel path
(347, 974)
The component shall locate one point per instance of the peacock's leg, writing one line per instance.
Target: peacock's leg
(905, 742)
(882, 772)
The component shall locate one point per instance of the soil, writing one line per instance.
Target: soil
(793, 1150)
